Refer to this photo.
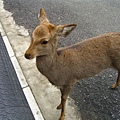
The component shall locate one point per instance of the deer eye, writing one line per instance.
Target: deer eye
(44, 42)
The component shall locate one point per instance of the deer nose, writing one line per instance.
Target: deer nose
(27, 56)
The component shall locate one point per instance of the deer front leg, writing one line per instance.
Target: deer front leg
(65, 91)
(60, 105)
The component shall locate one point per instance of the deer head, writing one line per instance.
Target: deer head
(45, 37)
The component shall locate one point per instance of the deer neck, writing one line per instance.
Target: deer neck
(47, 62)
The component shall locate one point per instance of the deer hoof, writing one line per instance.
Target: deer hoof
(62, 118)
(114, 86)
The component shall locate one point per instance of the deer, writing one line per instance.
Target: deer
(66, 65)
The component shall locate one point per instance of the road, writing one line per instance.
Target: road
(93, 97)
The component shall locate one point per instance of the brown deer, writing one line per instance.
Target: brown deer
(65, 66)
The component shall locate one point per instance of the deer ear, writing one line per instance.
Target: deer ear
(42, 16)
(65, 30)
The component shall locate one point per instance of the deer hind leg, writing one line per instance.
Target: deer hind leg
(65, 91)
(117, 82)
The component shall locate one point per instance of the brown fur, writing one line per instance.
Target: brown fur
(65, 66)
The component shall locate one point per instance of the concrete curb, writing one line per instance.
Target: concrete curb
(25, 87)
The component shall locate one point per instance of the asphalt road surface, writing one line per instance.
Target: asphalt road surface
(94, 98)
